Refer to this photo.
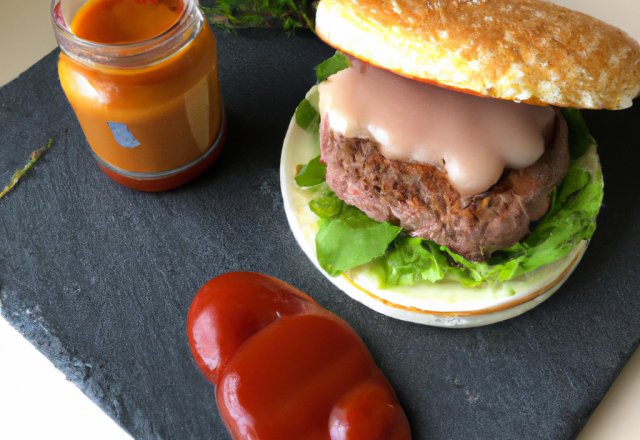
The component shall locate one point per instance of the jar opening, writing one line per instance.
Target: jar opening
(125, 55)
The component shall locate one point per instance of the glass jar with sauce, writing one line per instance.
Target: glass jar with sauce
(142, 78)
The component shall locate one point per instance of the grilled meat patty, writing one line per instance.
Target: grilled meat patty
(420, 198)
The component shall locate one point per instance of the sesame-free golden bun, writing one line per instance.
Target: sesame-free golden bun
(524, 50)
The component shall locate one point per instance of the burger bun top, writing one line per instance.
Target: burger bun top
(523, 50)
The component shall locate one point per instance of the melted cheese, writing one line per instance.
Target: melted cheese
(472, 138)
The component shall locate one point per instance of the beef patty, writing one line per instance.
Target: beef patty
(420, 198)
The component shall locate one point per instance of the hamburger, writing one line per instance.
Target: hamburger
(440, 172)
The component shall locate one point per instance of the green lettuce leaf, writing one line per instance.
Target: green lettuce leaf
(332, 66)
(351, 239)
(326, 205)
(312, 173)
(306, 115)
(412, 260)
(579, 138)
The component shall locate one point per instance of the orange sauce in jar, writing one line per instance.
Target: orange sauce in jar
(152, 112)
(125, 21)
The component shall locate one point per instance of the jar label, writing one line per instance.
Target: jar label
(122, 135)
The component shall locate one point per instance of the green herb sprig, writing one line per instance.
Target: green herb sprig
(287, 14)
(18, 174)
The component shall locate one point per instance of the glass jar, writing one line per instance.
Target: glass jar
(151, 110)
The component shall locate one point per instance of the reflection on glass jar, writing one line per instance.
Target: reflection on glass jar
(141, 76)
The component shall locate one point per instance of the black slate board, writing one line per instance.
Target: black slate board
(100, 277)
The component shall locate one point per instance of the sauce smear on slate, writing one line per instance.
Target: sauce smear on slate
(285, 368)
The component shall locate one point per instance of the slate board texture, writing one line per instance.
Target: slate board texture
(100, 277)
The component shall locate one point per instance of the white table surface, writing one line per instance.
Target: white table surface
(36, 400)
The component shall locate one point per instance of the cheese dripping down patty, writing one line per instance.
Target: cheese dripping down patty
(472, 138)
